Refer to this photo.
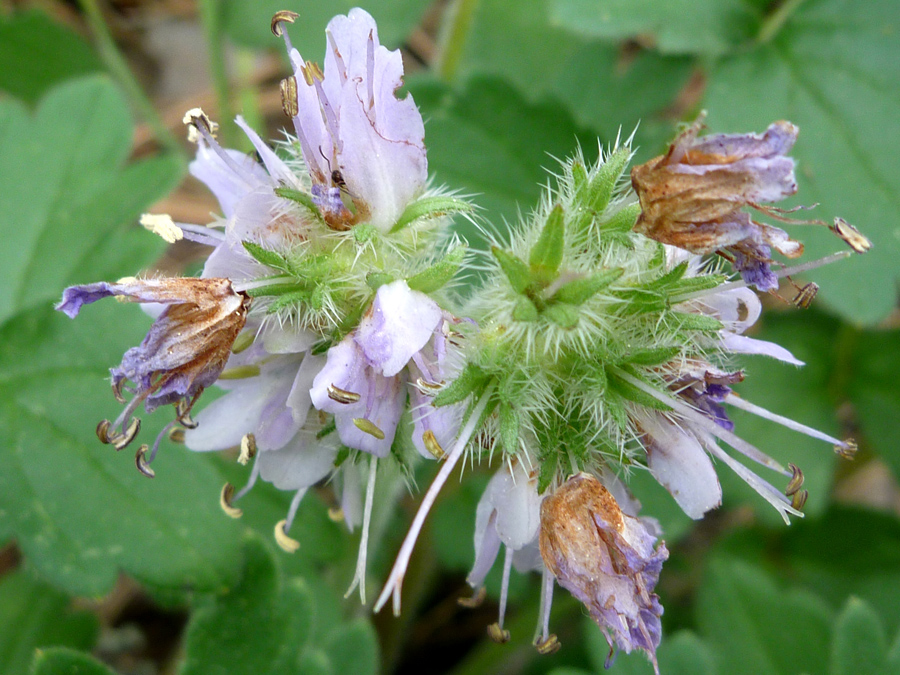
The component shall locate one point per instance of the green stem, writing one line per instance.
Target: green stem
(454, 37)
(773, 23)
(120, 71)
(211, 18)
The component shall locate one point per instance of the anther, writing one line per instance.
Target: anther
(176, 435)
(549, 646)
(248, 449)
(342, 395)
(335, 514)
(225, 502)
(117, 391)
(183, 414)
(284, 541)
(278, 17)
(289, 103)
(103, 431)
(196, 119)
(806, 295)
(798, 499)
(163, 226)
(432, 445)
(368, 427)
(497, 634)
(427, 387)
(796, 481)
(851, 236)
(122, 440)
(847, 449)
(140, 461)
(474, 601)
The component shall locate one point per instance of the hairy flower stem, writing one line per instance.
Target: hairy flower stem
(119, 69)
(394, 583)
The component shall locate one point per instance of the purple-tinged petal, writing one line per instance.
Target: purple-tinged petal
(279, 172)
(224, 422)
(741, 344)
(228, 186)
(300, 464)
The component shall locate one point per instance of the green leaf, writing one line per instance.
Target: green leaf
(67, 193)
(593, 80)
(248, 23)
(708, 27)
(860, 645)
(81, 512)
(262, 625)
(62, 661)
(34, 616)
(756, 627)
(835, 72)
(37, 53)
(353, 648)
(488, 140)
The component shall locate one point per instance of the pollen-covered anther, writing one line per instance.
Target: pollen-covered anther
(497, 634)
(196, 119)
(798, 499)
(847, 449)
(335, 514)
(432, 445)
(248, 449)
(342, 395)
(429, 388)
(796, 481)
(368, 427)
(176, 435)
(547, 646)
(161, 224)
(475, 600)
(289, 103)
(225, 498)
(140, 461)
(280, 16)
(283, 540)
(851, 236)
(806, 295)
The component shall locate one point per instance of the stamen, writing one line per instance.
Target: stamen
(225, 498)
(543, 634)
(283, 16)
(504, 587)
(475, 601)
(289, 103)
(248, 449)
(798, 500)
(282, 526)
(163, 226)
(338, 58)
(432, 445)
(796, 481)
(368, 427)
(847, 449)
(103, 432)
(359, 578)
(254, 475)
(394, 582)
(335, 514)
(370, 69)
(549, 646)
(176, 435)
(851, 236)
(497, 634)
(162, 434)
(134, 428)
(342, 395)
(141, 462)
(806, 295)
(198, 121)
(743, 404)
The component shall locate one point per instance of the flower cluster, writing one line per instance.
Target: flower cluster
(601, 342)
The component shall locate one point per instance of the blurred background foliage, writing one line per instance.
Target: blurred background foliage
(103, 571)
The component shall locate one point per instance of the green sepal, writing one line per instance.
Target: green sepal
(320, 348)
(440, 273)
(547, 253)
(548, 470)
(431, 207)
(289, 300)
(579, 177)
(470, 380)
(623, 220)
(615, 407)
(268, 258)
(640, 301)
(515, 270)
(273, 289)
(631, 393)
(343, 454)
(525, 310)
(304, 199)
(704, 282)
(579, 291)
(698, 322)
(563, 315)
(652, 357)
(509, 428)
(376, 280)
(603, 185)
(364, 233)
(672, 276)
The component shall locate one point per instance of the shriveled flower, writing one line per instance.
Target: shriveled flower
(693, 196)
(183, 353)
(605, 558)
(358, 139)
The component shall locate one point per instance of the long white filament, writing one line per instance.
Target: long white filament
(743, 404)
(394, 582)
(359, 579)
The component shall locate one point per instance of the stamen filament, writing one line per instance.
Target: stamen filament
(743, 404)
(359, 579)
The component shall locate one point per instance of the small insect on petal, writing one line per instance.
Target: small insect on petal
(284, 541)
